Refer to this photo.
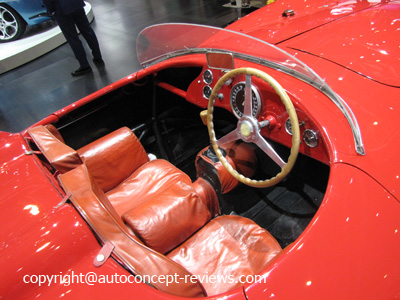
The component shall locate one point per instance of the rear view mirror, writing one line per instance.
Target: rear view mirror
(220, 60)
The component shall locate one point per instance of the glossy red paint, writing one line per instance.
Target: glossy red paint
(38, 237)
(365, 43)
(373, 116)
(269, 24)
(41, 238)
(348, 250)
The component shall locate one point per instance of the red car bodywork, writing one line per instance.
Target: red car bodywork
(351, 249)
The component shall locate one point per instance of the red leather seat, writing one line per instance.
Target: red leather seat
(110, 159)
(90, 200)
(158, 220)
(229, 247)
(147, 181)
(113, 157)
(51, 144)
(175, 222)
(117, 162)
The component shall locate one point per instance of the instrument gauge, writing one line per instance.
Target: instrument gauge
(208, 76)
(288, 126)
(207, 91)
(310, 137)
(237, 100)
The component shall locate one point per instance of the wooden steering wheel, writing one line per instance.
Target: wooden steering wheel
(249, 129)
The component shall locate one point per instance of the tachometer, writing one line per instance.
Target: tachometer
(237, 100)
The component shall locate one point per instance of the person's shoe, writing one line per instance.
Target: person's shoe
(81, 71)
(98, 62)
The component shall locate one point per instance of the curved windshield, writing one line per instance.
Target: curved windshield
(164, 41)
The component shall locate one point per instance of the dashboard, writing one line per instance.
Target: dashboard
(267, 106)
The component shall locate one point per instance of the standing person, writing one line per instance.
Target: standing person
(70, 14)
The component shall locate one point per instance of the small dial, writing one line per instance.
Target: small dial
(207, 91)
(310, 137)
(237, 100)
(288, 126)
(207, 76)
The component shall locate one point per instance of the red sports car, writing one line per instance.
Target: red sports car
(252, 162)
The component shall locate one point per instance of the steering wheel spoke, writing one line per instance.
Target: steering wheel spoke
(230, 137)
(248, 95)
(267, 148)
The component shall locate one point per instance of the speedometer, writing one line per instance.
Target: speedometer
(237, 100)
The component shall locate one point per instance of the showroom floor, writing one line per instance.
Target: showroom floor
(40, 87)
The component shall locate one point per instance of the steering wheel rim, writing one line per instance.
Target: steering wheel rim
(248, 128)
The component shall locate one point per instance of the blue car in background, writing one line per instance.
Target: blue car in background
(16, 15)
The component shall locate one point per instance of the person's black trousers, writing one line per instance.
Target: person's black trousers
(67, 25)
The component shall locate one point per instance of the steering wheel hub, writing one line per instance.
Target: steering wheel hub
(246, 129)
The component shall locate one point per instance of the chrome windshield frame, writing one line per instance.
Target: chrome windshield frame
(300, 71)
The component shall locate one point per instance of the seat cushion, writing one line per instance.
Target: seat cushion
(146, 182)
(142, 261)
(169, 218)
(230, 246)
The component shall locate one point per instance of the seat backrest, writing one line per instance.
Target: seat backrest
(93, 205)
(62, 157)
(114, 157)
(110, 159)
